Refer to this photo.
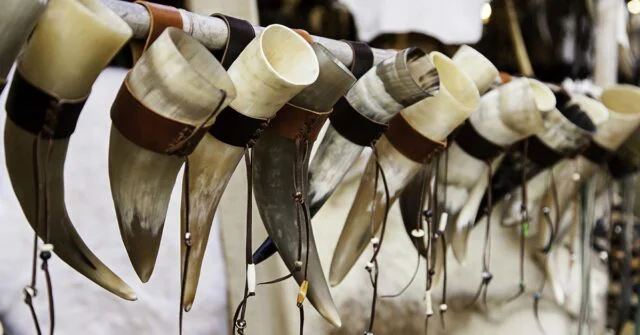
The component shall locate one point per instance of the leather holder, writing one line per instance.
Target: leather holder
(39, 112)
(240, 34)
(294, 122)
(474, 144)
(150, 130)
(410, 143)
(162, 17)
(539, 152)
(237, 129)
(621, 167)
(354, 126)
(362, 58)
(596, 153)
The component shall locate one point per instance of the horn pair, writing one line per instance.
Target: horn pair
(433, 118)
(71, 45)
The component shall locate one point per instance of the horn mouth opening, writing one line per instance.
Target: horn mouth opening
(422, 72)
(277, 38)
(622, 99)
(543, 96)
(189, 88)
(478, 67)
(456, 81)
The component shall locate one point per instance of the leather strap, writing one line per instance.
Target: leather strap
(354, 126)
(240, 34)
(295, 122)
(410, 142)
(362, 58)
(621, 167)
(150, 130)
(539, 152)
(237, 129)
(162, 17)
(474, 144)
(39, 112)
(3, 82)
(596, 153)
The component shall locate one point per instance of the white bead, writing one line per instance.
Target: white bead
(444, 218)
(46, 247)
(429, 301)
(417, 233)
(251, 278)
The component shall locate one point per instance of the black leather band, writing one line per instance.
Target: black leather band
(621, 167)
(362, 58)
(597, 153)
(237, 129)
(474, 144)
(241, 33)
(354, 126)
(540, 153)
(39, 113)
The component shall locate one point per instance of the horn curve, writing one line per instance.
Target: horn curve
(71, 45)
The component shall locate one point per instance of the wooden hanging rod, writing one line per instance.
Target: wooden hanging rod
(212, 32)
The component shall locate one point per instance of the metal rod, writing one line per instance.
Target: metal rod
(212, 32)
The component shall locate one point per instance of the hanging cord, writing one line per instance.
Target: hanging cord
(486, 250)
(426, 215)
(30, 291)
(239, 322)
(178, 149)
(440, 233)
(372, 266)
(524, 222)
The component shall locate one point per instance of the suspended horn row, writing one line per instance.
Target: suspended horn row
(484, 74)
(274, 67)
(413, 138)
(73, 42)
(17, 19)
(361, 117)
(624, 118)
(362, 62)
(281, 159)
(165, 105)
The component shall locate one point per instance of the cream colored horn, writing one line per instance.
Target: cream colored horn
(17, 19)
(435, 118)
(177, 78)
(72, 43)
(273, 68)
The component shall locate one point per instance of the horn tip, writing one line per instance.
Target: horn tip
(143, 271)
(187, 306)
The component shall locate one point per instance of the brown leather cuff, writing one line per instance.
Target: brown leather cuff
(39, 112)
(237, 129)
(294, 122)
(161, 17)
(150, 130)
(241, 33)
(354, 126)
(304, 34)
(474, 144)
(410, 142)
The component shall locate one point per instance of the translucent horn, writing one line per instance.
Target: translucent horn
(273, 68)
(188, 86)
(71, 45)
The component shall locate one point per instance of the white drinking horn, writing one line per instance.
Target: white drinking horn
(506, 115)
(275, 178)
(423, 126)
(17, 19)
(71, 45)
(360, 118)
(177, 84)
(477, 67)
(274, 67)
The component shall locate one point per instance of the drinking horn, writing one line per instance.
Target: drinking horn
(71, 45)
(414, 136)
(281, 158)
(17, 19)
(165, 105)
(360, 118)
(361, 63)
(484, 74)
(274, 67)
